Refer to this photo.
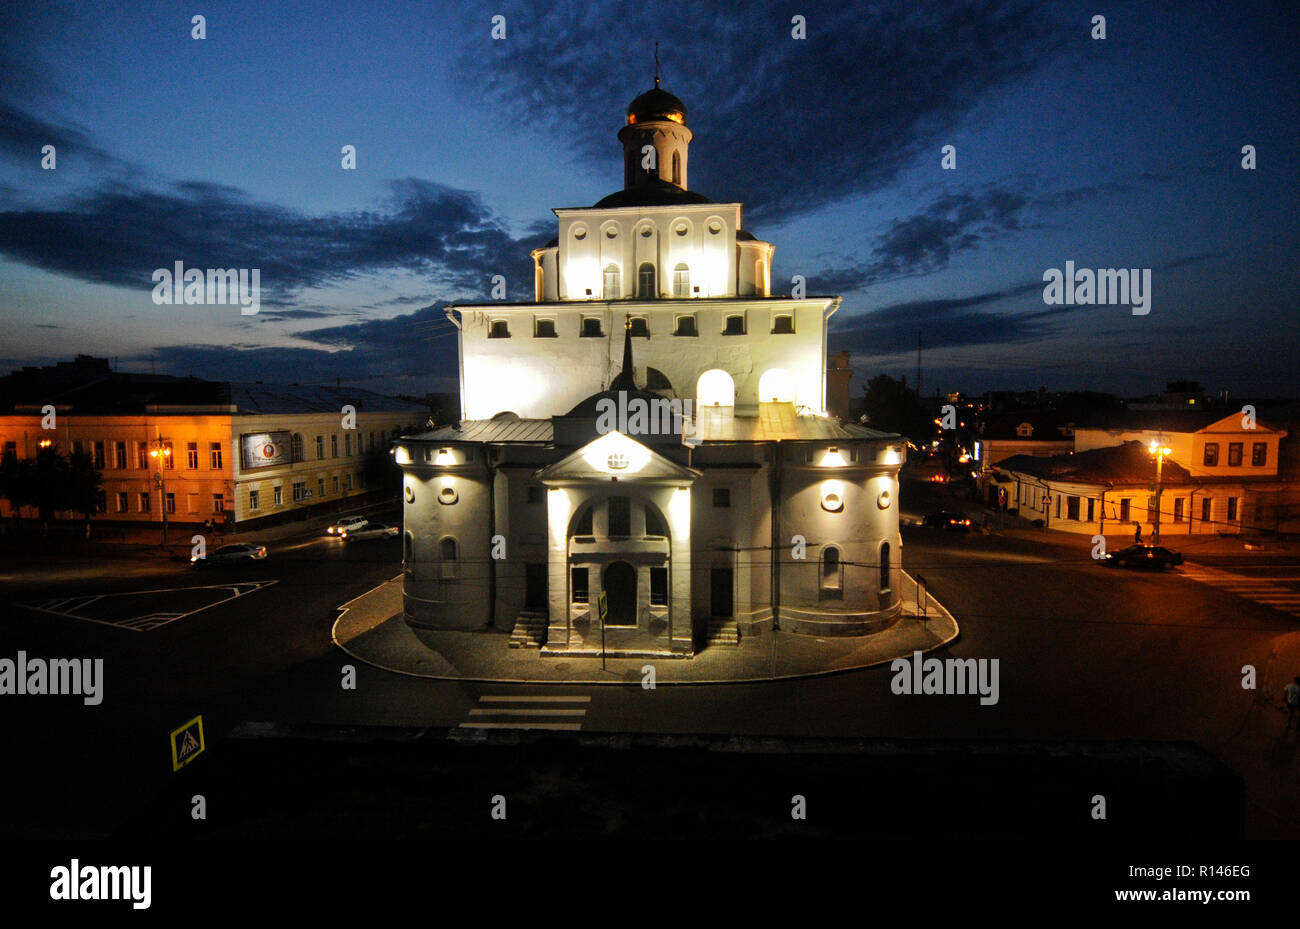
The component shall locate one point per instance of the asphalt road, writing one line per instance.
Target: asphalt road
(1085, 652)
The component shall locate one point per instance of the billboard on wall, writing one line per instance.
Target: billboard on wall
(264, 449)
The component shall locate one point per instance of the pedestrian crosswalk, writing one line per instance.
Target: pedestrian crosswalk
(526, 711)
(1272, 591)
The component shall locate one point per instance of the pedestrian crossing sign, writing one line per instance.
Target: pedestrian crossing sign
(187, 743)
(603, 604)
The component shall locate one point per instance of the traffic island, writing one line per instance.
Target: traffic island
(371, 629)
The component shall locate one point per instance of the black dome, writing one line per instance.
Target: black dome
(653, 192)
(656, 103)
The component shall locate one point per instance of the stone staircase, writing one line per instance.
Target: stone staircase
(530, 630)
(722, 633)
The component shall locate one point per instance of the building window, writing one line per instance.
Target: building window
(582, 525)
(295, 447)
(722, 496)
(1124, 511)
(677, 169)
(372, 441)
(578, 580)
(1234, 454)
(544, 329)
(320, 486)
(347, 445)
(299, 491)
(886, 568)
(832, 572)
(171, 503)
(191, 454)
(1259, 454)
(123, 501)
(658, 586)
(591, 328)
(1232, 509)
(119, 455)
(783, 324)
(101, 502)
(654, 522)
(1072, 508)
(320, 447)
(1179, 505)
(499, 329)
(645, 282)
(335, 483)
(142, 455)
(613, 284)
(735, 325)
(681, 280)
(637, 327)
(214, 455)
(536, 493)
(1211, 454)
(448, 553)
(1205, 509)
(218, 503)
(686, 326)
(620, 516)
(97, 455)
(254, 500)
(1092, 504)
(347, 481)
(146, 502)
(334, 445)
(278, 495)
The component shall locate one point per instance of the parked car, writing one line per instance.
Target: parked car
(946, 519)
(1138, 556)
(346, 524)
(370, 531)
(230, 554)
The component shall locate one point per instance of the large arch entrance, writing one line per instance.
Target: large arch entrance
(620, 591)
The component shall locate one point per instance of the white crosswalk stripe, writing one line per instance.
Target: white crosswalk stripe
(1268, 591)
(524, 711)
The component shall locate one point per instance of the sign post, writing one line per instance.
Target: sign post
(602, 607)
(921, 596)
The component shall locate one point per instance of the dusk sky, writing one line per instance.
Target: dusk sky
(225, 152)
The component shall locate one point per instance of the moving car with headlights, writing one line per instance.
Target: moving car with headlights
(370, 531)
(230, 554)
(346, 524)
(946, 519)
(1144, 556)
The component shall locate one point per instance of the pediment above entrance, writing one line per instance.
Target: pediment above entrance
(616, 457)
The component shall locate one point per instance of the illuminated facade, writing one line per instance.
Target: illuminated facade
(644, 463)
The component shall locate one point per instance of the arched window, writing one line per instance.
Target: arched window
(645, 281)
(735, 324)
(500, 329)
(677, 169)
(613, 286)
(654, 521)
(715, 388)
(832, 572)
(681, 280)
(885, 572)
(448, 550)
(638, 327)
(591, 327)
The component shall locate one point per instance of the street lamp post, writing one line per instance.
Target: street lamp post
(162, 454)
(1160, 451)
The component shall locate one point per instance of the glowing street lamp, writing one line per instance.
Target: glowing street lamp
(161, 454)
(1160, 451)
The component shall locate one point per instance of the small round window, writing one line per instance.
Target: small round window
(579, 232)
(409, 493)
(447, 495)
(611, 233)
(645, 232)
(681, 230)
(715, 228)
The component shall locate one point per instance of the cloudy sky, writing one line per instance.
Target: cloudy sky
(225, 152)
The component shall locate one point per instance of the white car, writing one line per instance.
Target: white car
(370, 531)
(346, 525)
(230, 554)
